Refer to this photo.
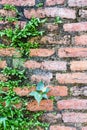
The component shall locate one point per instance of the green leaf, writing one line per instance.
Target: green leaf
(45, 90)
(40, 86)
(45, 96)
(37, 96)
(3, 120)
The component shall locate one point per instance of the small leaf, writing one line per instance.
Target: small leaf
(45, 96)
(37, 96)
(40, 86)
(45, 90)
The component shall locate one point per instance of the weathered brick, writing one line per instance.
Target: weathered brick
(54, 2)
(47, 65)
(79, 91)
(44, 105)
(58, 91)
(23, 91)
(32, 64)
(9, 52)
(51, 12)
(83, 13)
(51, 27)
(80, 78)
(72, 117)
(54, 65)
(2, 64)
(3, 78)
(55, 39)
(45, 77)
(12, 2)
(27, 2)
(18, 2)
(8, 13)
(77, 104)
(57, 127)
(78, 65)
(75, 27)
(78, 3)
(72, 52)
(80, 40)
(84, 128)
(41, 52)
(50, 117)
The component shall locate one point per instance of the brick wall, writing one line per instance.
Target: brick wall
(60, 62)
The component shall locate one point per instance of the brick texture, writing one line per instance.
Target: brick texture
(41, 52)
(80, 78)
(44, 105)
(18, 2)
(77, 104)
(46, 65)
(81, 40)
(72, 117)
(54, 2)
(57, 127)
(83, 13)
(75, 27)
(78, 3)
(79, 91)
(78, 65)
(55, 40)
(2, 64)
(72, 52)
(51, 12)
(8, 13)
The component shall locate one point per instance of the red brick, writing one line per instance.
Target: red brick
(72, 27)
(57, 127)
(42, 52)
(72, 117)
(44, 105)
(27, 2)
(78, 3)
(18, 2)
(55, 39)
(78, 65)
(77, 104)
(50, 12)
(3, 78)
(47, 65)
(50, 117)
(23, 91)
(54, 2)
(72, 78)
(42, 77)
(58, 91)
(80, 40)
(84, 128)
(2, 64)
(32, 64)
(54, 65)
(83, 13)
(72, 52)
(8, 13)
(9, 52)
(51, 27)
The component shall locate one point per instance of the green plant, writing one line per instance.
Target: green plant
(40, 93)
(11, 19)
(39, 5)
(10, 7)
(18, 37)
(11, 117)
(58, 20)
